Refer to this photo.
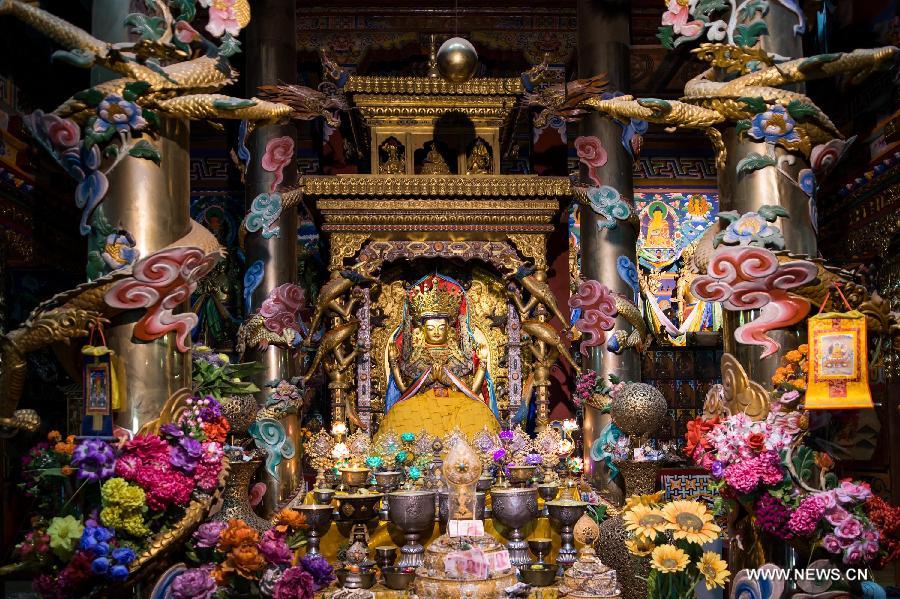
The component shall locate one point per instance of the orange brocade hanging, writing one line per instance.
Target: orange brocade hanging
(838, 362)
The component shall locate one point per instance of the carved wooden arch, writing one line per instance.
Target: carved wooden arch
(499, 254)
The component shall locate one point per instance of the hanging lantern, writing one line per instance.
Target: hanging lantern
(838, 361)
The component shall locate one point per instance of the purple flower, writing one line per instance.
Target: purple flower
(849, 528)
(848, 492)
(118, 572)
(506, 436)
(100, 565)
(533, 459)
(295, 583)
(171, 431)
(123, 555)
(855, 553)
(499, 454)
(212, 411)
(831, 543)
(185, 455)
(94, 459)
(274, 548)
(836, 515)
(718, 469)
(319, 568)
(208, 533)
(114, 111)
(195, 583)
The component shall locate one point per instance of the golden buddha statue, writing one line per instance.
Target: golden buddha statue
(437, 374)
(394, 164)
(479, 161)
(434, 163)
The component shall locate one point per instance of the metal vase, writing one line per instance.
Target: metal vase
(413, 513)
(236, 497)
(564, 513)
(318, 518)
(514, 509)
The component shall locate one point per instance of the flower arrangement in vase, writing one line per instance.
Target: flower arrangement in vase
(672, 535)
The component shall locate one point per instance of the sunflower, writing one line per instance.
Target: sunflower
(691, 521)
(714, 569)
(645, 521)
(648, 500)
(669, 558)
(640, 545)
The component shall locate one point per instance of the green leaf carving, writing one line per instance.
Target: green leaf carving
(92, 136)
(666, 36)
(76, 58)
(754, 105)
(770, 212)
(831, 480)
(748, 35)
(814, 62)
(152, 118)
(753, 162)
(800, 111)
(230, 46)
(111, 151)
(135, 90)
(92, 97)
(750, 8)
(707, 7)
(149, 28)
(742, 125)
(143, 149)
(186, 9)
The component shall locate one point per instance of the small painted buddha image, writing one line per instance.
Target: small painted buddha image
(479, 161)
(659, 230)
(437, 373)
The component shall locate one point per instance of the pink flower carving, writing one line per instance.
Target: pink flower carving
(677, 16)
(279, 153)
(160, 283)
(750, 278)
(598, 312)
(222, 17)
(592, 154)
(62, 132)
(825, 157)
(185, 33)
(280, 308)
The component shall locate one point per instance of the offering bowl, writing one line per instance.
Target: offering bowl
(318, 518)
(413, 513)
(564, 513)
(355, 578)
(537, 574)
(514, 508)
(398, 578)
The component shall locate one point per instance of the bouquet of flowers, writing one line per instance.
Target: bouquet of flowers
(101, 505)
(231, 559)
(789, 490)
(673, 534)
(589, 383)
(215, 375)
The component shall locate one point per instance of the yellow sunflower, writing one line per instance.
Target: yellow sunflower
(714, 569)
(669, 558)
(691, 521)
(648, 500)
(645, 521)
(640, 545)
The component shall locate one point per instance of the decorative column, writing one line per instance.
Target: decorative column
(604, 42)
(772, 186)
(151, 202)
(271, 58)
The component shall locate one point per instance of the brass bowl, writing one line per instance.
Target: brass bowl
(388, 480)
(484, 484)
(358, 507)
(398, 578)
(355, 477)
(364, 579)
(323, 496)
(538, 575)
(519, 475)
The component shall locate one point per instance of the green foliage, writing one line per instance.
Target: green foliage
(92, 97)
(750, 8)
(230, 46)
(704, 8)
(831, 480)
(152, 118)
(803, 462)
(92, 136)
(800, 111)
(597, 512)
(753, 162)
(144, 149)
(135, 90)
(223, 381)
(770, 212)
(754, 105)
(748, 35)
(186, 9)
(741, 126)
(148, 27)
(100, 229)
(666, 36)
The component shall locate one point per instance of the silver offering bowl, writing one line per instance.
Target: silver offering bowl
(385, 556)
(540, 548)
(520, 475)
(484, 483)
(564, 513)
(548, 492)
(514, 508)
(358, 508)
(355, 477)
(386, 482)
(355, 578)
(323, 496)
(413, 513)
(444, 508)
(318, 518)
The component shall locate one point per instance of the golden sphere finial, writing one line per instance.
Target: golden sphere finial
(457, 60)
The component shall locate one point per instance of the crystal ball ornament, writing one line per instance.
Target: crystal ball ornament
(457, 60)
(638, 409)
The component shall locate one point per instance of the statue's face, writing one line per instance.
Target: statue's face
(435, 331)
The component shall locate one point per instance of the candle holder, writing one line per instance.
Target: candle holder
(354, 477)
(318, 519)
(323, 496)
(565, 513)
(413, 513)
(515, 508)
(385, 482)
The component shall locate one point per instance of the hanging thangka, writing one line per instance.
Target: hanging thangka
(838, 362)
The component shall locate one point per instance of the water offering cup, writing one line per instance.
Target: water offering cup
(413, 513)
(514, 508)
(564, 513)
(540, 548)
(318, 518)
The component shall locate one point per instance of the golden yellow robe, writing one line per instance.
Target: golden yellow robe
(439, 414)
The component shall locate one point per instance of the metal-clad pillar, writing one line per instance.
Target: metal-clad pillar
(271, 57)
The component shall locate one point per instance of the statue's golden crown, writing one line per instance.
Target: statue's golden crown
(434, 298)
